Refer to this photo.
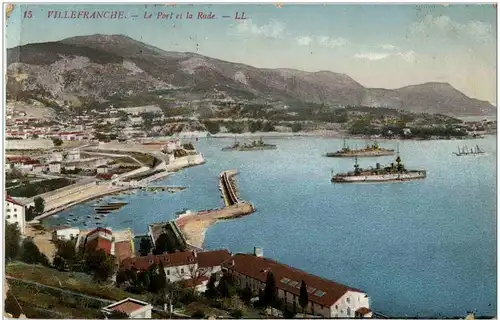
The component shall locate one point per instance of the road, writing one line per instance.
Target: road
(66, 291)
(114, 155)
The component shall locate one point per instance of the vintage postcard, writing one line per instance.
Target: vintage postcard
(250, 160)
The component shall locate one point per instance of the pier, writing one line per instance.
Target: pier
(188, 231)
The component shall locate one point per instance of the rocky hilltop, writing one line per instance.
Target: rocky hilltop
(100, 67)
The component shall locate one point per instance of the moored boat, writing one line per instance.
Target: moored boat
(393, 172)
(373, 150)
(254, 145)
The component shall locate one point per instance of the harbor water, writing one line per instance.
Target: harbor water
(423, 248)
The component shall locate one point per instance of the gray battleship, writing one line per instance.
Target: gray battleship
(373, 150)
(389, 173)
(254, 145)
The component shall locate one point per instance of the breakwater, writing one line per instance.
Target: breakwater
(194, 226)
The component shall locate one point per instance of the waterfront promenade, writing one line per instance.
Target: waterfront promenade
(194, 226)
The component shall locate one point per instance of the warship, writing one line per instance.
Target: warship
(393, 172)
(254, 145)
(373, 150)
(470, 152)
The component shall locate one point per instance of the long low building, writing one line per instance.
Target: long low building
(326, 298)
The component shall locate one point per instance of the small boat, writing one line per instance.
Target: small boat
(97, 218)
(90, 217)
(75, 219)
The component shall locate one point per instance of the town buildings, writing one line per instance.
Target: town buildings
(326, 298)
(15, 213)
(194, 268)
(135, 309)
(118, 243)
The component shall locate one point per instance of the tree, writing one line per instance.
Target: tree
(267, 126)
(12, 241)
(31, 254)
(163, 244)
(212, 126)
(65, 252)
(270, 291)
(211, 291)
(100, 265)
(158, 278)
(57, 142)
(116, 314)
(246, 294)
(303, 297)
(194, 273)
(30, 213)
(39, 205)
(145, 246)
(296, 127)
(224, 287)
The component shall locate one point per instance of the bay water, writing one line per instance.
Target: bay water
(419, 249)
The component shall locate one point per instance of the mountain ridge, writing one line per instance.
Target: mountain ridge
(99, 66)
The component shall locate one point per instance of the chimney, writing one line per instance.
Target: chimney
(257, 251)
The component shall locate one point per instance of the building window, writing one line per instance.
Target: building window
(168, 272)
(336, 307)
(15, 216)
(7, 217)
(182, 270)
(348, 300)
(348, 311)
(15, 209)
(8, 210)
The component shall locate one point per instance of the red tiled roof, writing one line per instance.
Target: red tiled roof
(123, 250)
(100, 243)
(257, 268)
(363, 311)
(71, 132)
(9, 199)
(19, 158)
(100, 229)
(189, 283)
(215, 258)
(106, 176)
(128, 306)
(168, 259)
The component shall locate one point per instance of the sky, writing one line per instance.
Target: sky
(378, 45)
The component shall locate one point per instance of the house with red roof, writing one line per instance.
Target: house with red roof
(327, 298)
(191, 267)
(100, 238)
(15, 213)
(135, 309)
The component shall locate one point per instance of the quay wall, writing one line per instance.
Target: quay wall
(28, 144)
(187, 161)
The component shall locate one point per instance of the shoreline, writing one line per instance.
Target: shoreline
(76, 202)
(322, 134)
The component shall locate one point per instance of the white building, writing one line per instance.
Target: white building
(55, 167)
(71, 135)
(182, 266)
(73, 155)
(15, 212)
(326, 298)
(102, 169)
(56, 156)
(135, 309)
(65, 234)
